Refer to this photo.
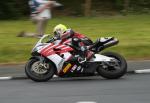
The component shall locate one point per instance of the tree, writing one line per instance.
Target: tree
(126, 6)
(88, 5)
(13, 9)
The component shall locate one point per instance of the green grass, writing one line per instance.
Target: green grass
(132, 31)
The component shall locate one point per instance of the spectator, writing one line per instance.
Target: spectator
(40, 14)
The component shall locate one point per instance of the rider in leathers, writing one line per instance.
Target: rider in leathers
(78, 41)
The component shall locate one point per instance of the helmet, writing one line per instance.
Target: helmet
(59, 30)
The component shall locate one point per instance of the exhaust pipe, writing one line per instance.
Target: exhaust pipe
(111, 43)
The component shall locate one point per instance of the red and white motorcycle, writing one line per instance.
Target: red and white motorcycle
(49, 59)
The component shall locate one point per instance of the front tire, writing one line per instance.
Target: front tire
(37, 73)
(112, 73)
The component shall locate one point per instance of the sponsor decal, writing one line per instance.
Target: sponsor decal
(67, 68)
(73, 68)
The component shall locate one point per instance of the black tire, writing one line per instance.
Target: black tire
(39, 77)
(116, 73)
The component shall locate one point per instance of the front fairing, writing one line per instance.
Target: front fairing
(41, 43)
(38, 47)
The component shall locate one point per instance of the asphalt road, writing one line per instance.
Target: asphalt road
(129, 89)
(132, 88)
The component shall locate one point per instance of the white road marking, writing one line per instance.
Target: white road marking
(5, 78)
(142, 71)
(139, 61)
(55, 76)
(86, 102)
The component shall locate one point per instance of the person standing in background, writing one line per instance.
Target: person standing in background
(40, 14)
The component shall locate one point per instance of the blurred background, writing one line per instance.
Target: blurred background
(127, 20)
(16, 9)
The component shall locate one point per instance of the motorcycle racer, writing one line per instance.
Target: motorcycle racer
(68, 56)
(77, 40)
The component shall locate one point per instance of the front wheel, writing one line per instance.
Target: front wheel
(39, 72)
(117, 70)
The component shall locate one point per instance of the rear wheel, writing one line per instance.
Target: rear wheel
(39, 72)
(117, 70)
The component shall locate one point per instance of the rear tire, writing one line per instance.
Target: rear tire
(114, 74)
(41, 77)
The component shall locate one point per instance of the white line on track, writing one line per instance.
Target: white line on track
(55, 76)
(86, 102)
(15, 77)
(5, 78)
(139, 61)
(142, 71)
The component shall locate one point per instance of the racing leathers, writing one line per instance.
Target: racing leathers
(78, 41)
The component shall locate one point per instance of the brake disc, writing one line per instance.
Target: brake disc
(40, 68)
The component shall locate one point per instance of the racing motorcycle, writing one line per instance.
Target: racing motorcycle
(49, 59)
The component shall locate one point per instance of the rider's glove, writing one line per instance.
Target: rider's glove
(83, 48)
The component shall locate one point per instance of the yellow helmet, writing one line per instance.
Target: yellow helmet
(60, 28)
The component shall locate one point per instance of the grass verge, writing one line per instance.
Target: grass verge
(133, 31)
